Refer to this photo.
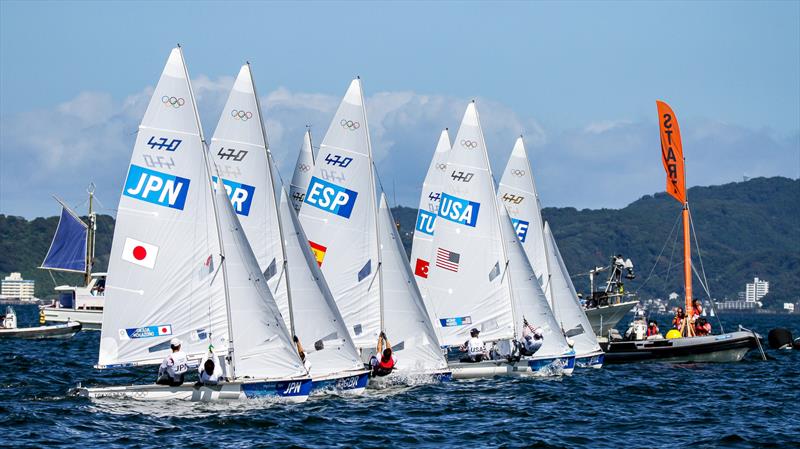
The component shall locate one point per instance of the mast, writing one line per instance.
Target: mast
(373, 204)
(277, 203)
(216, 218)
(687, 269)
(90, 239)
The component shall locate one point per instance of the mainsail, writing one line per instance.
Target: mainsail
(530, 302)
(407, 322)
(464, 282)
(422, 246)
(68, 250)
(566, 305)
(302, 172)
(239, 151)
(165, 253)
(517, 191)
(339, 218)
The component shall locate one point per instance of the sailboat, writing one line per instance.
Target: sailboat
(302, 172)
(72, 251)
(725, 347)
(422, 243)
(476, 279)
(567, 308)
(181, 267)
(260, 201)
(342, 220)
(517, 191)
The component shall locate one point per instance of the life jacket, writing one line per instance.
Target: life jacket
(383, 368)
(652, 330)
(386, 365)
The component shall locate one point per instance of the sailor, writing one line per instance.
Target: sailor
(475, 348)
(532, 339)
(174, 366)
(697, 309)
(208, 372)
(385, 365)
(301, 353)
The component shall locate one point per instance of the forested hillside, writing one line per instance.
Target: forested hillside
(745, 229)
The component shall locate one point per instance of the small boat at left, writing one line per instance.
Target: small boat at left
(9, 329)
(182, 274)
(72, 251)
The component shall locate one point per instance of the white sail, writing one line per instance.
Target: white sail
(464, 284)
(566, 306)
(239, 150)
(302, 172)
(338, 216)
(530, 302)
(422, 245)
(517, 191)
(318, 323)
(165, 252)
(407, 323)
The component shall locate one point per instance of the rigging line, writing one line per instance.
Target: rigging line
(703, 270)
(659, 254)
(672, 255)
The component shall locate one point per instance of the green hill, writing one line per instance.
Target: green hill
(745, 229)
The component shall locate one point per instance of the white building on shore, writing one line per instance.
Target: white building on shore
(756, 290)
(14, 287)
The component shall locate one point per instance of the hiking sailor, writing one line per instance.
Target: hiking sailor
(209, 373)
(174, 366)
(532, 339)
(387, 362)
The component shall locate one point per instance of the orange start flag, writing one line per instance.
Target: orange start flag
(672, 151)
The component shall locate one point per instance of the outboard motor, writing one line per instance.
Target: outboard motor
(780, 338)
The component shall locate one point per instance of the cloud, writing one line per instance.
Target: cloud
(605, 163)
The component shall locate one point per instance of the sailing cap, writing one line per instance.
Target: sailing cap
(474, 331)
(175, 342)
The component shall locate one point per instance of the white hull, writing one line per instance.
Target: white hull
(283, 391)
(533, 366)
(606, 318)
(91, 319)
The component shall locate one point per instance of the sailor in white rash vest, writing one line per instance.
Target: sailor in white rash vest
(174, 366)
(476, 349)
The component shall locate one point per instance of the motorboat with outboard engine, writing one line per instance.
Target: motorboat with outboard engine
(9, 329)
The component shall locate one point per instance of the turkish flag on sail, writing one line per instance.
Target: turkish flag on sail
(139, 253)
(421, 269)
(672, 151)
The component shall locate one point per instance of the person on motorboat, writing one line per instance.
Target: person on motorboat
(652, 328)
(532, 339)
(697, 308)
(475, 348)
(385, 365)
(680, 316)
(702, 327)
(174, 366)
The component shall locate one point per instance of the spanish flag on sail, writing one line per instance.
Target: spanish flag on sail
(319, 251)
(672, 151)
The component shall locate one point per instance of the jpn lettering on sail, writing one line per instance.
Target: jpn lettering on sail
(672, 151)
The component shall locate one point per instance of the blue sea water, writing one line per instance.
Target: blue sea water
(747, 404)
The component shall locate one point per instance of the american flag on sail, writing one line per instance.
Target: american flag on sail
(447, 260)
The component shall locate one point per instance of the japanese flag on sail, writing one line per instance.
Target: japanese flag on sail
(139, 253)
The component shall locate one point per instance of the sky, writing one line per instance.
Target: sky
(578, 80)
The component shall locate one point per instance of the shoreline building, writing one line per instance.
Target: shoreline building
(750, 298)
(14, 287)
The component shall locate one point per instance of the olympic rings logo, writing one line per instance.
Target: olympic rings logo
(303, 167)
(469, 144)
(241, 115)
(349, 124)
(441, 167)
(519, 173)
(173, 101)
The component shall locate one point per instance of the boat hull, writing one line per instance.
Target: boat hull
(533, 366)
(91, 319)
(730, 347)
(282, 390)
(591, 361)
(349, 383)
(66, 330)
(606, 318)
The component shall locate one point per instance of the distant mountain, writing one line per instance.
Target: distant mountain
(745, 229)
